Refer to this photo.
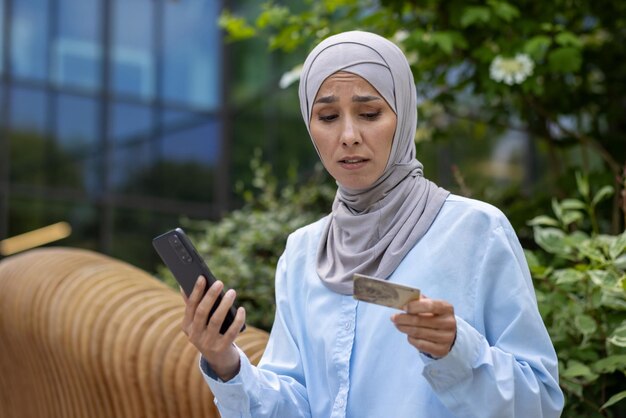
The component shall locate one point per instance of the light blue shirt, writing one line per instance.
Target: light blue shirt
(332, 356)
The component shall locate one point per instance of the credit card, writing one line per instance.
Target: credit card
(382, 292)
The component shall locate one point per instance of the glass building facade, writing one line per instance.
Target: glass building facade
(112, 118)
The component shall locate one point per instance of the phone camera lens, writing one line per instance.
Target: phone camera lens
(184, 256)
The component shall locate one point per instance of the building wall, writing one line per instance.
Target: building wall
(112, 119)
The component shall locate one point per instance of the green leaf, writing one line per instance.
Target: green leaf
(567, 38)
(589, 250)
(617, 247)
(504, 10)
(572, 387)
(288, 39)
(537, 46)
(236, 27)
(475, 15)
(565, 60)
(614, 399)
(551, 239)
(577, 238)
(582, 183)
(610, 364)
(602, 194)
(618, 337)
(620, 262)
(570, 217)
(577, 369)
(602, 278)
(543, 220)
(444, 40)
(573, 204)
(568, 276)
(332, 5)
(557, 209)
(614, 298)
(272, 16)
(585, 324)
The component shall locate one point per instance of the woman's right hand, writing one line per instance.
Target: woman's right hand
(217, 349)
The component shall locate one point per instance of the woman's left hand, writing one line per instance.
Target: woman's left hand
(429, 324)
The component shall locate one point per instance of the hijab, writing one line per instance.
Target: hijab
(370, 230)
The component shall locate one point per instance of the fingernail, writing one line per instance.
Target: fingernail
(230, 293)
(200, 280)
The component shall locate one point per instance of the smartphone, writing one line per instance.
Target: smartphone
(181, 257)
(383, 292)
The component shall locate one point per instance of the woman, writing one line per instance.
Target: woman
(474, 347)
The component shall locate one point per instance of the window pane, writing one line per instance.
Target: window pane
(134, 149)
(29, 141)
(1, 36)
(192, 55)
(77, 49)
(77, 135)
(189, 153)
(132, 48)
(190, 137)
(77, 125)
(29, 34)
(28, 110)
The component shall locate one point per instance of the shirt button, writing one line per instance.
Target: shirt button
(348, 325)
(340, 402)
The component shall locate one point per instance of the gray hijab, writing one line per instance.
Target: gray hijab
(371, 230)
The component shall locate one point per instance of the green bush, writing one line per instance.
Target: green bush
(580, 281)
(243, 248)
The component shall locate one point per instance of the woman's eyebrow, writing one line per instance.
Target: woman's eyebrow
(362, 99)
(355, 98)
(327, 99)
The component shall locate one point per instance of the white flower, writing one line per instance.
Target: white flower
(400, 36)
(511, 70)
(290, 77)
(412, 57)
(321, 34)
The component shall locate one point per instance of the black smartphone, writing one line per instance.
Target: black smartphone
(181, 257)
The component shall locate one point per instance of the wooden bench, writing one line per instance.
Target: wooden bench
(85, 335)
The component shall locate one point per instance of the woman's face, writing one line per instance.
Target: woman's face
(352, 127)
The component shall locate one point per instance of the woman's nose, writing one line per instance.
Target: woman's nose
(349, 133)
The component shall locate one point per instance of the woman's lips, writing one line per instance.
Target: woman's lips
(353, 163)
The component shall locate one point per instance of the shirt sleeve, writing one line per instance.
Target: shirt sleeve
(275, 388)
(509, 368)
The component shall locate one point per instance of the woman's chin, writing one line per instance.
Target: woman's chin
(355, 184)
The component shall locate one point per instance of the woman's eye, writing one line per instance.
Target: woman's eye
(327, 118)
(371, 115)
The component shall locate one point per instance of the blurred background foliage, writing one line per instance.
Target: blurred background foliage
(514, 99)
(580, 282)
(568, 111)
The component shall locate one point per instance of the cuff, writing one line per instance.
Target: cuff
(230, 395)
(457, 364)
